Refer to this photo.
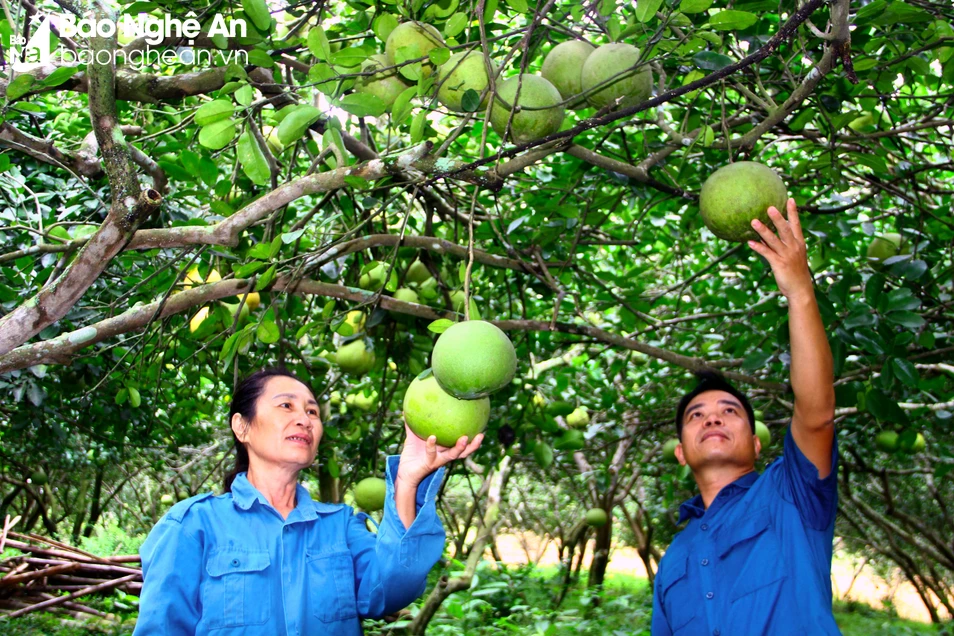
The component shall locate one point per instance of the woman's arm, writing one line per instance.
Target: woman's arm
(169, 601)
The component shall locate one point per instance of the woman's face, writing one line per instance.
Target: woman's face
(286, 428)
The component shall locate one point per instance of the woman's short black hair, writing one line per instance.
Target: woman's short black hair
(712, 381)
(244, 400)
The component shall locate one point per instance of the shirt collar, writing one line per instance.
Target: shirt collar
(244, 494)
(694, 507)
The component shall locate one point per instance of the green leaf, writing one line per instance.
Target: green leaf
(907, 319)
(439, 55)
(228, 349)
(259, 57)
(694, 6)
(252, 159)
(711, 61)
(457, 23)
(257, 10)
(731, 19)
(906, 372)
(440, 326)
(869, 340)
(756, 360)
(20, 86)
(646, 9)
(134, 398)
(214, 111)
(470, 101)
(520, 6)
(318, 44)
(401, 107)
(290, 237)
(873, 289)
(884, 408)
(268, 332)
(901, 300)
(363, 105)
(59, 76)
(218, 135)
(296, 122)
(122, 395)
(383, 25)
(417, 127)
(244, 271)
(908, 269)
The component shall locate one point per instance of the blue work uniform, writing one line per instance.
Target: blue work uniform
(758, 560)
(231, 565)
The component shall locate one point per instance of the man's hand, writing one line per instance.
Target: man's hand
(785, 252)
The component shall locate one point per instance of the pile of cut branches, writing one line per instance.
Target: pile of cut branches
(48, 575)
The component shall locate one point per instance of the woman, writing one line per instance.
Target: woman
(263, 558)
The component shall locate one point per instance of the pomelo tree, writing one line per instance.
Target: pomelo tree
(313, 163)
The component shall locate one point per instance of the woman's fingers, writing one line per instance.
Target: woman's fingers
(767, 235)
(794, 221)
(785, 233)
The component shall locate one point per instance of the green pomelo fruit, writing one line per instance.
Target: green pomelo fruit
(167, 500)
(883, 247)
(918, 445)
(669, 450)
(887, 441)
(571, 440)
(578, 418)
(563, 67)
(463, 71)
(457, 301)
(417, 273)
(596, 517)
(736, 194)
(376, 277)
(411, 40)
(429, 410)
(473, 359)
(369, 494)
(764, 434)
(362, 401)
(355, 357)
(39, 478)
(535, 93)
(610, 67)
(386, 85)
(406, 295)
(355, 319)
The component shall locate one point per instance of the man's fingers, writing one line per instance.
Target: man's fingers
(794, 221)
(785, 234)
(473, 446)
(768, 236)
(430, 449)
(763, 250)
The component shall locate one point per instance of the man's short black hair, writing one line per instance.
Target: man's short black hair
(712, 381)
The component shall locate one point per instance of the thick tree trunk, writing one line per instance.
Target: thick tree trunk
(95, 511)
(604, 537)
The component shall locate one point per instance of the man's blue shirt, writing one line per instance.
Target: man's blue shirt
(230, 564)
(758, 560)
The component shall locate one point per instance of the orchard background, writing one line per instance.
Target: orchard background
(166, 230)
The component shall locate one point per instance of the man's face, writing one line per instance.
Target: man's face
(716, 431)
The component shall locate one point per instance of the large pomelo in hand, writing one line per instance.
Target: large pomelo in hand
(410, 41)
(563, 67)
(385, 85)
(609, 67)
(473, 359)
(737, 193)
(463, 71)
(429, 410)
(369, 494)
(537, 94)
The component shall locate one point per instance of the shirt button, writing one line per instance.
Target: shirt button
(704, 526)
(705, 562)
(709, 595)
(235, 563)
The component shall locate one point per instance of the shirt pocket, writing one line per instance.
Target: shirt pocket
(676, 592)
(331, 584)
(237, 592)
(750, 548)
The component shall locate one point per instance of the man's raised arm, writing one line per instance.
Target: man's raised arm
(812, 375)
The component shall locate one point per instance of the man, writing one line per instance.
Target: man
(755, 557)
